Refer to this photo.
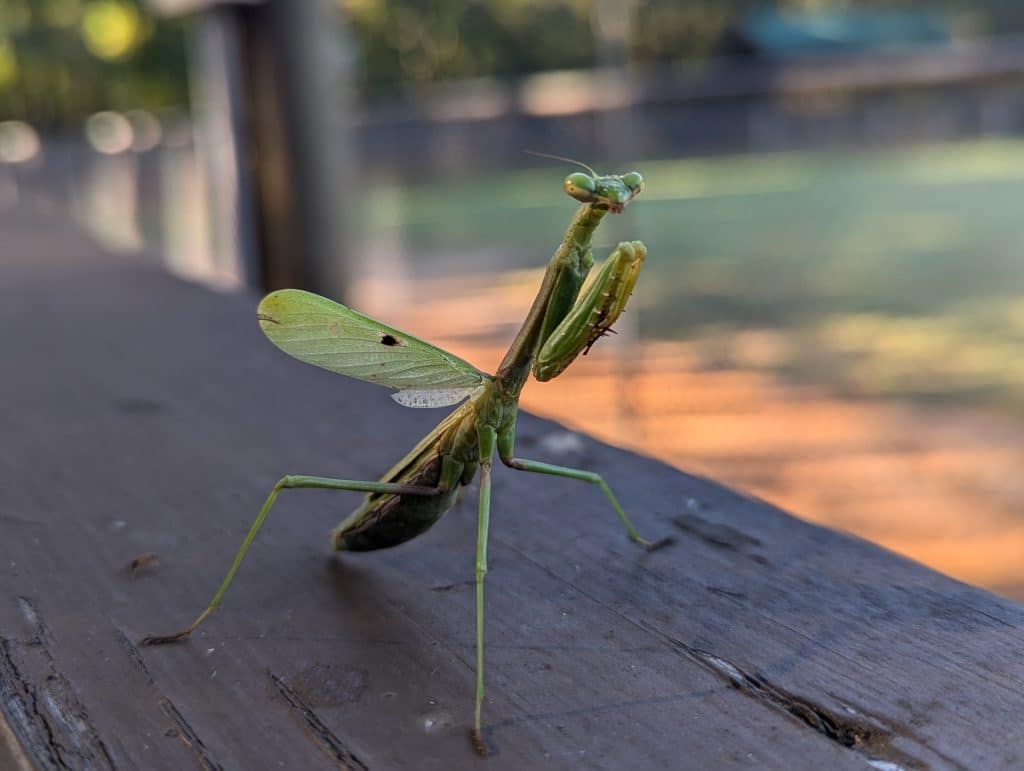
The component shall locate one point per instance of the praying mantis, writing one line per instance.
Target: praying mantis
(564, 321)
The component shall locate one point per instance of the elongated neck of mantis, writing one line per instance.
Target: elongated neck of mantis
(515, 367)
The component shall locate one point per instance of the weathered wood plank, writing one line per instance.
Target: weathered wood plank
(145, 415)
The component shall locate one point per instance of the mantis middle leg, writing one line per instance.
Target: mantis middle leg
(506, 444)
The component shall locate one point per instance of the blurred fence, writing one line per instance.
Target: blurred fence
(133, 181)
(738, 106)
(143, 188)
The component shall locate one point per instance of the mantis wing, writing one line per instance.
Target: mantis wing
(319, 331)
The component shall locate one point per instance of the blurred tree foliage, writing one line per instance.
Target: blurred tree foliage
(404, 41)
(63, 59)
(410, 41)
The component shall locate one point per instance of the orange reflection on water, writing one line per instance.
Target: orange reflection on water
(941, 486)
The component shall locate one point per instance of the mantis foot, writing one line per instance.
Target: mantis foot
(165, 639)
(655, 545)
(476, 738)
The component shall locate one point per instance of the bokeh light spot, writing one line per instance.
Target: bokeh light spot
(19, 142)
(110, 29)
(109, 132)
(8, 64)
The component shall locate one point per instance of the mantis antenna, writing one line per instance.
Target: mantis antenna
(562, 158)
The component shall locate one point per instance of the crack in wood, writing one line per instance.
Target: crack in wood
(869, 738)
(326, 739)
(21, 708)
(449, 587)
(40, 631)
(50, 720)
(720, 536)
(188, 735)
(132, 650)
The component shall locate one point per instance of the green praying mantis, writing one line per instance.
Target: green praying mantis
(564, 321)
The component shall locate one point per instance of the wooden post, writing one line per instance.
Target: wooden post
(271, 88)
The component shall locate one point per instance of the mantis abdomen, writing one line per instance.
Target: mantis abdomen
(388, 520)
(444, 460)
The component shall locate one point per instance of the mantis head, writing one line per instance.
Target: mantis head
(612, 192)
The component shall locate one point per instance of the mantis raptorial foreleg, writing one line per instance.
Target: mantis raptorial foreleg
(589, 318)
(593, 314)
(289, 482)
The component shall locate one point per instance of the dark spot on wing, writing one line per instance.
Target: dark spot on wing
(391, 340)
(267, 317)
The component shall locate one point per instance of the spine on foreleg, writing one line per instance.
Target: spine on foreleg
(594, 314)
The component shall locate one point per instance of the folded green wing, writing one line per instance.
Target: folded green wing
(319, 331)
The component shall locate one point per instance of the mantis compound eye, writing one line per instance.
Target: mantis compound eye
(634, 181)
(580, 186)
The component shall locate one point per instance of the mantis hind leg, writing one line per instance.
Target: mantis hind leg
(286, 483)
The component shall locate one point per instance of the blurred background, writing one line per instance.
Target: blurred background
(832, 313)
